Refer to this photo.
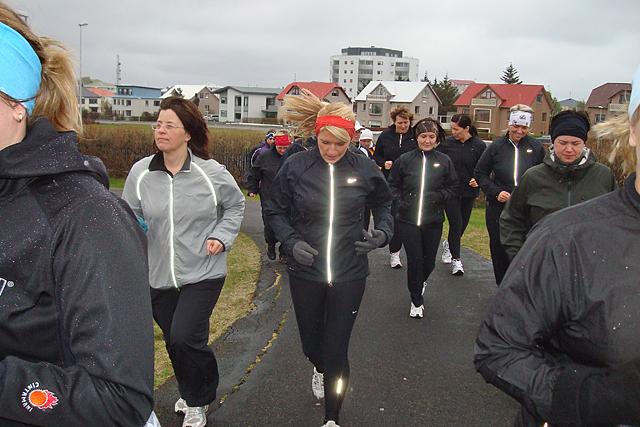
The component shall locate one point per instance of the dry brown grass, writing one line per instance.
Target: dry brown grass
(235, 301)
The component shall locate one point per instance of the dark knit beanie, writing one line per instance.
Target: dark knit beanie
(569, 124)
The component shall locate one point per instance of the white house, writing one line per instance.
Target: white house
(132, 101)
(202, 95)
(378, 99)
(239, 103)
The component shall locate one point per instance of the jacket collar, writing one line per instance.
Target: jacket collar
(157, 163)
(630, 189)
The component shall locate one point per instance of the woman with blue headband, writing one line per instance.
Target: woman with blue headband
(562, 335)
(75, 313)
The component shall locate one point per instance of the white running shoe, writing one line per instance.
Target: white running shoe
(456, 268)
(417, 312)
(317, 384)
(394, 260)
(446, 253)
(330, 423)
(181, 406)
(195, 416)
(424, 286)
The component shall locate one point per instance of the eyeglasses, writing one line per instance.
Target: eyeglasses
(167, 126)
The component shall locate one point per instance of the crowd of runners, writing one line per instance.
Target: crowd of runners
(83, 272)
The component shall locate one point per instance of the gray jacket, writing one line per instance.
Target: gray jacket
(202, 201)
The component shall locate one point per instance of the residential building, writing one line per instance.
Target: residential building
(327, 92)
(461, 85)
(90, 101)
(355, 67)
(133, 101)
(608, 101)
(374, 103)
(239, 103)
(489, 104)
(90, 83)
(105, 97)
(202, 95)
(568, 104)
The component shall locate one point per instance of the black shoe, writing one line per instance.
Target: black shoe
(271, 252)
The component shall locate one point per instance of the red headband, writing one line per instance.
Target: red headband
(337, 121)
(282, 141)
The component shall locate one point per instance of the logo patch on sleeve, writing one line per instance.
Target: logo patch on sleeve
(35, 397)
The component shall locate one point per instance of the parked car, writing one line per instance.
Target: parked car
(211, 117)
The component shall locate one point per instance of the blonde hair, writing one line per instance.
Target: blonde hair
(521, 107)
(56, 99)
(615, 133)
(304, 110)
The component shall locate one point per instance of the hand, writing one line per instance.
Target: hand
(503, 196)
(388, 164)
(473, 183)
(303, 253)
(251, 194)
(371, 241)
(214, 247)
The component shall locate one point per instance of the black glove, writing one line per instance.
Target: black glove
(303, 253)
(371, 241)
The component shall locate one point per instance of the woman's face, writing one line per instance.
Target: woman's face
(517, 132)
(459, 133)
(568, 148)
(427, 141)
(402, 124)
(331, 148)
(170, 139)
(281, 149)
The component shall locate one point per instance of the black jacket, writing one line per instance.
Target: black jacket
(561, 335)
(299, 210)
(391, 145)
(495, 169)
(263, 173)
(547, 188)
(465, 156)
(76, 337)
(405, 180)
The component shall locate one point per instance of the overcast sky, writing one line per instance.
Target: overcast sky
(570, 46)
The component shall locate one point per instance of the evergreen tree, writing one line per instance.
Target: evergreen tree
(447, 92)
(510, 76)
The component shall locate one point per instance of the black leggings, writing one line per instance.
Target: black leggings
(183, 315)
(421, 244)
(458, 210)
(395, 244)
(269, 234)
(499, 257)
(326, 314)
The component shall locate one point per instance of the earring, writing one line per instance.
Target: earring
(20, 117)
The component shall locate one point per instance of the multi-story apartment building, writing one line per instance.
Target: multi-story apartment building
(133, 100)
(238, 103)
(357, 66)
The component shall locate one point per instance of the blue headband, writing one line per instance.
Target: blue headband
(634, 102)
(21, 68)
(269, 135)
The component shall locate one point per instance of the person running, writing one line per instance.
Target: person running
(255, 152)
(260, 179)
(392, 143)
(464, 148)
(316, 206)
(421, 181)
(568, 175)
(561, 335)
(498, 172)
(76, 332)
(193, 209)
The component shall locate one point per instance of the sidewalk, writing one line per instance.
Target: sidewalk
(404, 371)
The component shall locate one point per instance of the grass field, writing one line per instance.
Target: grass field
(475, 236)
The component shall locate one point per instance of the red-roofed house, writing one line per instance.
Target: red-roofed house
(488, 105)
(608, 101)
(328, 92)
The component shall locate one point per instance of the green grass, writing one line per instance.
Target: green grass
(235, 301)
(475, 236)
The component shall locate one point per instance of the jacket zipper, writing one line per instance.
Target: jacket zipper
(515, 164)
(569, 193)
(331, 213)
(400, 140)
(172, 259)
(422, 180)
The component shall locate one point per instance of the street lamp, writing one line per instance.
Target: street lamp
(82, 24)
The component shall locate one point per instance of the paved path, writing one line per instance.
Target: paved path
(404, 371)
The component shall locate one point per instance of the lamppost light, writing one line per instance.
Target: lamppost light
(83, 24)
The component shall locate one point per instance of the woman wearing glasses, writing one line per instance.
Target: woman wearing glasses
(193, 209)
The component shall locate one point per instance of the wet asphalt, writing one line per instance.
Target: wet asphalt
(404, 371)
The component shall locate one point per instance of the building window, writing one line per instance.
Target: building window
(206, 108)
(416, 109)
(380, 63)
(380, 91)
(202, 96)
(128, 102)
(465, 111)
(431, 111)
(375, 124)
(539, 98)
(351, 62)
(223, 113)
(156, 103)
(238, 101)
(223, 100)
(345, 62)
(544, 117)
(351, 71)
(488, 94)
(350, 80)
(599, 118)
(295, 90)
(335, 92)
(425, 92)
(93, 100)
(375, 109)
(379, 72)
(364, 106)
(483, 116)
(625, 97)
(127, 113)
(345, 71)
(246, 101)
(206, 96)
(146, 103)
